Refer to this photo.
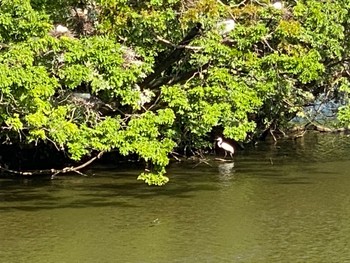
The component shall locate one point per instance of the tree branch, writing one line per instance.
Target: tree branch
(173, 57)
(167, 42)
(53, 172)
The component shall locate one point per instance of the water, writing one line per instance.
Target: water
(288, 202)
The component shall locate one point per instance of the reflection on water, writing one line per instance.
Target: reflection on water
(288, 202)
(226, 168)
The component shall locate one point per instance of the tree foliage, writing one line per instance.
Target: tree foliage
(148, 77)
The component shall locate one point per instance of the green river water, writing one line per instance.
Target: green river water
(288, 202)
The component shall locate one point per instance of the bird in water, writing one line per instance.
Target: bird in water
(226, 147)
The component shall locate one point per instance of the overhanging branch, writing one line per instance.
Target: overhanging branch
(53, 172)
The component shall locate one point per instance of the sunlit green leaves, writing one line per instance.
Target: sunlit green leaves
(18, 21)
(176, 97)
(86, 92)
(14, 122)
(153, 178)
(322, 25)
(139, 23)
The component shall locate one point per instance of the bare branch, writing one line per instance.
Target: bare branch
(53, 172)
(239, 4)
(160, 39)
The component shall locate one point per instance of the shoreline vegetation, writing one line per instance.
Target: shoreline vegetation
(142, 80)
(198, 157)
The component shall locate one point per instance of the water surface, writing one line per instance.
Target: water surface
(288, 202)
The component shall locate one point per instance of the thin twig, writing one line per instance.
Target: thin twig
(267, 44)
(273, 136)
(239, 4)
(299, 135)
(58, 149)
(228, 8)
(155, 102)
(174, 156)
(202, 161)
(160, 39)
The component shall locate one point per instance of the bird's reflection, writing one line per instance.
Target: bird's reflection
(226, 168)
